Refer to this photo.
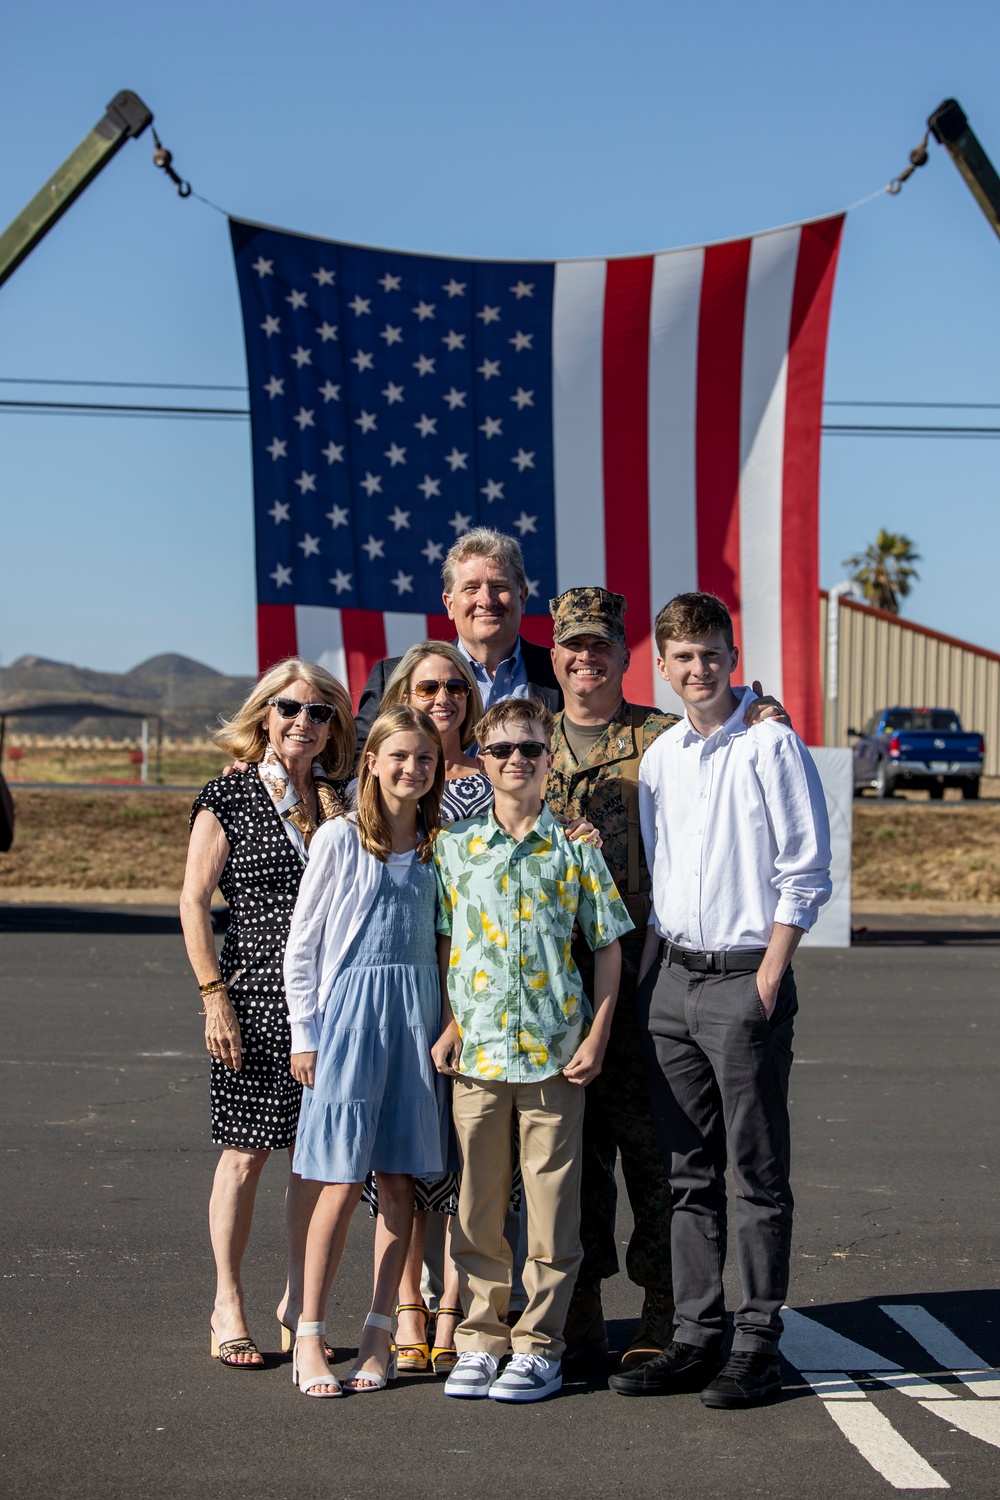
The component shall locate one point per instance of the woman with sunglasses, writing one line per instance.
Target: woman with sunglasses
(250, 836)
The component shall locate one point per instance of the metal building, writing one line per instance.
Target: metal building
(873, 660)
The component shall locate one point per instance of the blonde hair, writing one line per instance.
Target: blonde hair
(397, 689)
(373, 829)
(516, 711)
(495, 546)
(244, 737)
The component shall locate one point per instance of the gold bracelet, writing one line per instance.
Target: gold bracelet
(212, 986)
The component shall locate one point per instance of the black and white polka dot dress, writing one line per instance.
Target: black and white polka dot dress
(257, 1107)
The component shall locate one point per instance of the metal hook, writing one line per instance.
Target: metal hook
(163, 159)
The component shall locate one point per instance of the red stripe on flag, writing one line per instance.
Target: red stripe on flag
(364, 645)
(810, 321)
(537, 629)
(276, 634)
(625, 401)
(717, 439)
(440, 628)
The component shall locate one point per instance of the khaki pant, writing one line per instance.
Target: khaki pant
(550, 1128)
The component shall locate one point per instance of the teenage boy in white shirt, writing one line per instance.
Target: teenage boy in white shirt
(738, 841)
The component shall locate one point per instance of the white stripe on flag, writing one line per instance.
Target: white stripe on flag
(771, 283)
(577, 421)
(320, 637)
(403, 631)
(673, 365)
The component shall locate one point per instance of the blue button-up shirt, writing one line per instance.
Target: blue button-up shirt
(510, 681)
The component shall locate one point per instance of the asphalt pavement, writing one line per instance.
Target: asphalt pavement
(109, 1390)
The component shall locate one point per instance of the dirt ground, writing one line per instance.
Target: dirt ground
(123, 840)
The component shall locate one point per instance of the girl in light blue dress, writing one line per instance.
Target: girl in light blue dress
(364, 1001)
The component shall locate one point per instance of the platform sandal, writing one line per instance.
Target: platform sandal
(414, 1359)
(444, 1357)
(374, 1382)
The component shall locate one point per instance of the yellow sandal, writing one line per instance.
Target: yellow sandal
(444, 1357)
(414, 1359)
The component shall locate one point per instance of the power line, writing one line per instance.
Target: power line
(862, 429)
(137, 385)
(929, 405)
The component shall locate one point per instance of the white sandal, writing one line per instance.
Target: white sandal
(310, 1331)
(374, 1382)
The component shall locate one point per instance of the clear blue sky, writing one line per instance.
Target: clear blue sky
(544, 129)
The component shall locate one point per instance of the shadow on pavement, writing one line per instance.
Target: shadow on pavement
(94, 919)
(932, 937)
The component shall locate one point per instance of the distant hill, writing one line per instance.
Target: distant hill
(188, 695)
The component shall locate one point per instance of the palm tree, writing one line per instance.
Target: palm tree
(885, 570)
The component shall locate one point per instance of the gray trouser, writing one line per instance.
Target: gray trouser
(717, 1070)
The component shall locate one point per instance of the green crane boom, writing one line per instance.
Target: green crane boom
(126, 118)
(951, 128)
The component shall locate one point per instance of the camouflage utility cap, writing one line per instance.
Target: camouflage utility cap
(588, 611)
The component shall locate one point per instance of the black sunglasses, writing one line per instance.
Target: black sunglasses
(455, 687)
(290, 708)
(504, 749)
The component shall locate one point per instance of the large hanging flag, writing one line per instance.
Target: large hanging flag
(648, 423)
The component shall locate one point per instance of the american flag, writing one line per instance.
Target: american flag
(648, 423)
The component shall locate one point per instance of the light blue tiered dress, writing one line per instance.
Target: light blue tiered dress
(378, 1104)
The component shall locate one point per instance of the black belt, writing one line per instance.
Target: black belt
(736, 961)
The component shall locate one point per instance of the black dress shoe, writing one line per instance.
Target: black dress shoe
(680, 1368)
(746, 1379)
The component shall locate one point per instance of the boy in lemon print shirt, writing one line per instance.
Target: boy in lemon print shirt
(521, 1039)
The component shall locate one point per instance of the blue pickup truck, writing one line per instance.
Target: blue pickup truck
(919, 749)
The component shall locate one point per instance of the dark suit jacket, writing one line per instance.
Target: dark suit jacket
(541, 680)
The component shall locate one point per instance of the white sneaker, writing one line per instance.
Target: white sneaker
(473, 1375)
(528, 1377)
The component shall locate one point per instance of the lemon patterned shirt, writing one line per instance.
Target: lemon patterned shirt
(509, 908)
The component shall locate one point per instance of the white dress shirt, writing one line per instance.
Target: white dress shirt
(736, 833)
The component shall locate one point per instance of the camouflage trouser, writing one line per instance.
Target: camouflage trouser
(618, 1119)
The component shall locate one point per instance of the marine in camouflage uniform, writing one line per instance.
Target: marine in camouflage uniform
(603, 788)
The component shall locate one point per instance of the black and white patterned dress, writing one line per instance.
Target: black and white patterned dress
(258, 1107)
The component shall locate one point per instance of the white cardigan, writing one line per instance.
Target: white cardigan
(339, 886)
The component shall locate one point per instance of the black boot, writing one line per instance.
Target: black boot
(585, 1333)
(680, 1368)
(654, 1331)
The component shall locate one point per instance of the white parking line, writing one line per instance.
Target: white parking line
(947, 1348)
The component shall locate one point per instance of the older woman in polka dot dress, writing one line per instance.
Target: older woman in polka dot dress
(250, 835)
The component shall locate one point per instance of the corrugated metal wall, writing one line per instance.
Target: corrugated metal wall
(885, 661)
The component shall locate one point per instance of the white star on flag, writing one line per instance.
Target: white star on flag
(395, 454)
(492, 490)
(338, 516)
(324, 277)
(400, 519)
(523, 289)
(532, 588)
(461, 523)
(275, 387)
(455, 288)
(423, 365)
(306, 482)
(281, 575)
(491, 426)
(277, 447)
(302, 356)
(304, 419)
(263, 267)
(391, 335)
(279, 510)
(488, 315)
(334, 453)
(271, 325)
(522, 398)
(524, 460)
(328, 331)
(456, 459)
(393, 393)
(427, 426)
(455, 398)
(431, 488)
(367, 421)
(329, 391)
(454, 340)
(373, 547)
(297, 299)
(360, 305)
(390, 283)
(403, 582)
(525, 523)
(363, 361)
(424, 310)
(341, 580)
(432, 551)
(309, 545)
(521, 341)
(488, 368)
(372, 483)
